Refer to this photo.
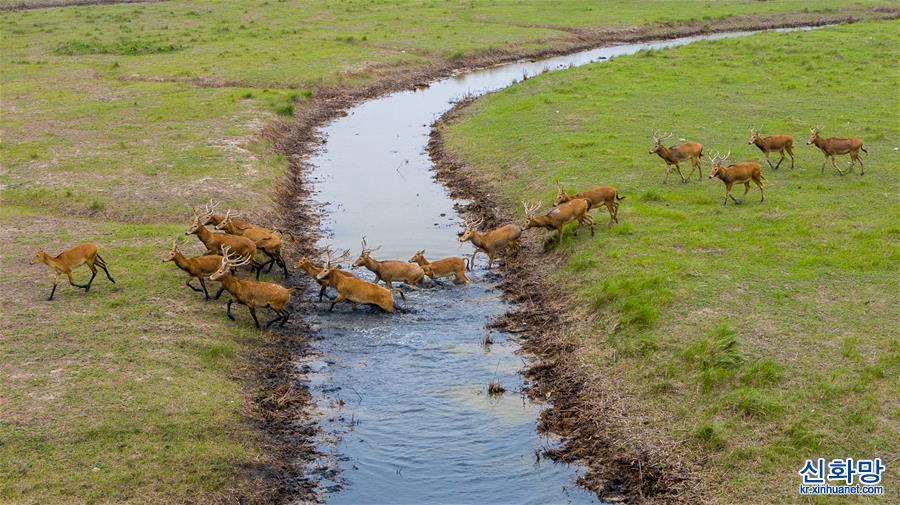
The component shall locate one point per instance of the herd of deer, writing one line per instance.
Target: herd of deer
(235, 242)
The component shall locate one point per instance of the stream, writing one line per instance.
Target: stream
(403, 396)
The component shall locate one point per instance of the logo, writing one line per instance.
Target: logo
(843, 477)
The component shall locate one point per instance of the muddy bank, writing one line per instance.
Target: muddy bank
(625, 458)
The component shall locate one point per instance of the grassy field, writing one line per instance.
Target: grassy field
(760, 334)
(116, 120)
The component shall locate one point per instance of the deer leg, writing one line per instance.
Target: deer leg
(188, 284)
(823, 165)
(862, 168)
(727, 193)
(228, 309)
(668, 171)
(590, 221)
(219, 292)
(72, 281)
(762, 193)
(102, 264)
(287, 315)
(337, 300)
(322, 292)
(680, 174)
(766, 156)
(283, 267)
(253, 313)
(791, 153)
(278, 317)
(91, 280)
(52, 291)
(203, 285)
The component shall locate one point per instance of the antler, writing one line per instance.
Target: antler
(330, 260)
(531, 209)
(366, 249)
(235, 261)
(473, 224)
(227, 216)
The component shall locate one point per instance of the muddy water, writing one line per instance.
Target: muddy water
(404, 395)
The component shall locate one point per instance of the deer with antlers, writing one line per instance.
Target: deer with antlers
(740, 173)
(492, 242)
(388, 270)
(606, 196)
(268, 242)
(198, 267)
(210, 216)
(216, 241)
(70, 259)
(249, 293)
(772, 144)
(313, 270)
(675, 154)
(558, 217)
(833, 146)
(352, 289)
(442, 268)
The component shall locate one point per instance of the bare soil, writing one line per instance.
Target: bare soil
(626, 459)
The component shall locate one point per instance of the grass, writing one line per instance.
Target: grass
(762, 334)
(117, 119)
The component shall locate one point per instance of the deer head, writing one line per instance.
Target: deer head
(471, 228)
(657, 141)
(813, 134)
(229, 261)
(717, 163)
(364, 255)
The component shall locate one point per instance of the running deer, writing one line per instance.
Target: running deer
(675, 154)
(198, 267)
(388, 270)
(491, 242)
(210, 216)
(740, 173)
(249, 293)
(267, 241)
(606, 196)
(559, 217)
(442, 268)
(772, 144)
(215, 241)
(833, 146)
(313, 271)
(70, 259)
(354, 290)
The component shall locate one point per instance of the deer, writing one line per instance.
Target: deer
(838, 145)
(741, 173)
(606, 196)
(354, 290)
(198, 267)
(388, 270)
(491, 242)
(266, 241)
(675, 154)
(313, 271)
(70, 259)
(442, 268)
(771, 144)
(249, 293)
(215, 218)
(560, 216)
(215, 241)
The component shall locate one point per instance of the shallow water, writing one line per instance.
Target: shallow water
(404, 395)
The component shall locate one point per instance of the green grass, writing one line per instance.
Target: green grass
(117, 119)
(762, 334)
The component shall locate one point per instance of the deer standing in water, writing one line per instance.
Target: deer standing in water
(388, 270)
(833, 146)
(352, 289)
(442, 268)
(740, 173)
(772, 144)
(677, 153)
(313, 271)
(491, 242)
(70, 259)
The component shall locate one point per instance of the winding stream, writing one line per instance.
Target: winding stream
(404, 395)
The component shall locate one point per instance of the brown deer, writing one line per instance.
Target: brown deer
(833, 146)
(215, 242)
(675, 154)
(268, 242)
(198, 267)
(606, 196)
(442, 268)
(70, 259)
(249, 293)
(559, 217)
(388, 270)
(210, 216)
(741, 173)
(771, 144)
(354, 290)
(313, 271)
(491, 242)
